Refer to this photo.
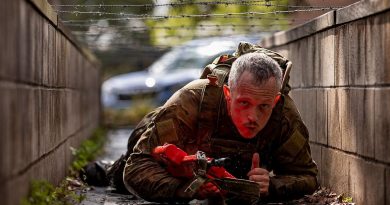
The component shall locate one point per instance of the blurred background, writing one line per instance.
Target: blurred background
(55, 93)
(151, 48)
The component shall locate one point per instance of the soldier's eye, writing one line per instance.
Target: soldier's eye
(265, 106)
(243, 103)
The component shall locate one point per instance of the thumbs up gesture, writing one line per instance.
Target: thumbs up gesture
(259, 175)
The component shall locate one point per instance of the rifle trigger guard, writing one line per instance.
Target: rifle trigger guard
(195, 185)
(202, 163)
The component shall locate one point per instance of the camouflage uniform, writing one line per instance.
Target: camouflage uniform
(195, 118)
(282, 144)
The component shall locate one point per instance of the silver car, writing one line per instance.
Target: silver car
(167, 74)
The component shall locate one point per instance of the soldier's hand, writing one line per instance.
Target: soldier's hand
(207, 190)
(259, 175)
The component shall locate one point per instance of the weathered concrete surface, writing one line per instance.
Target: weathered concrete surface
(340, 82)
(49, 100)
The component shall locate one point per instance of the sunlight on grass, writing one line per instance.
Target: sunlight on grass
(129, 116)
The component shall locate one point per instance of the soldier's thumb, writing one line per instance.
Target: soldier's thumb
(255, 160)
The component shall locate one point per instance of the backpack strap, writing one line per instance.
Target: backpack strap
(212, 97)
(220, 67)
(209, 111)
(286, 77)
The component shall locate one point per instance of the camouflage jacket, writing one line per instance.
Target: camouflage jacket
(282, 144)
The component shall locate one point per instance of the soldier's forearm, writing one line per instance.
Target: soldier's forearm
(149, 180)
(292, 186)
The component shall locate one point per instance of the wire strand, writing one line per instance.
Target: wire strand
(249, 15)
(186, 27)
(276, 16)
(266, 3)
(147, 16)
(185, 36)
(249, 3)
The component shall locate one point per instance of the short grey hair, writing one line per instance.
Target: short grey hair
(261, 66)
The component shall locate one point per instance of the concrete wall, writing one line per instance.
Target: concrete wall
(49, 96)
(341, 84)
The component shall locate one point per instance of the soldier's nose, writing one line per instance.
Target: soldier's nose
(252, 118)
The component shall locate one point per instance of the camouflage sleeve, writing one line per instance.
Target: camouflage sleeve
(294, 169)
(143, 175)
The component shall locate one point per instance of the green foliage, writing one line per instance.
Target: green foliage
(88, 150)
(44, 193)
(117, 16)
(129, 116)
(193, 23)
(100, 16)
(80, 16)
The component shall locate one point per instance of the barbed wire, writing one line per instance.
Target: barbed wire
(180, 36)
(250, 29)
(171, 35)
(277, 16)
(224, 15)
(176, 4)
(266, 3)
(180, 27)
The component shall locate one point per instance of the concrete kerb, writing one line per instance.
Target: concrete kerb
(328, 20)
(320, 23)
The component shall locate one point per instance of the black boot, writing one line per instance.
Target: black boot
(95, 174)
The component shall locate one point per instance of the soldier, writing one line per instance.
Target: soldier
(249, 119)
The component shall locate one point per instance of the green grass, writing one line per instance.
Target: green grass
(88, 150)
(44, 193)
(129, 116)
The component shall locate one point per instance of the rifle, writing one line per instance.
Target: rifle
(201, 169)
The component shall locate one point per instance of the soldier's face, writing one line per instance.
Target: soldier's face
(250, 106)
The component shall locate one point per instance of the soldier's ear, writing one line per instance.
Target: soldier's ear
(226, 91)
(277, 98)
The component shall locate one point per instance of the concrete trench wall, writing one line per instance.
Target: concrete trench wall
(49, 97)
(341, 85)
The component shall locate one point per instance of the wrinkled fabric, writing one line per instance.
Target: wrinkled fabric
(282, 144)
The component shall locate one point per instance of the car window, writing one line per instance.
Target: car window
(195, 60)
(188, 57)
(165, 61)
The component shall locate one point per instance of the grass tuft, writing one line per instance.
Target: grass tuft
(43, 192)
(130, 116)
(88, 150)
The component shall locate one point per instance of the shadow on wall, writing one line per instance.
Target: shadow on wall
(339, 85)
(357, 123)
